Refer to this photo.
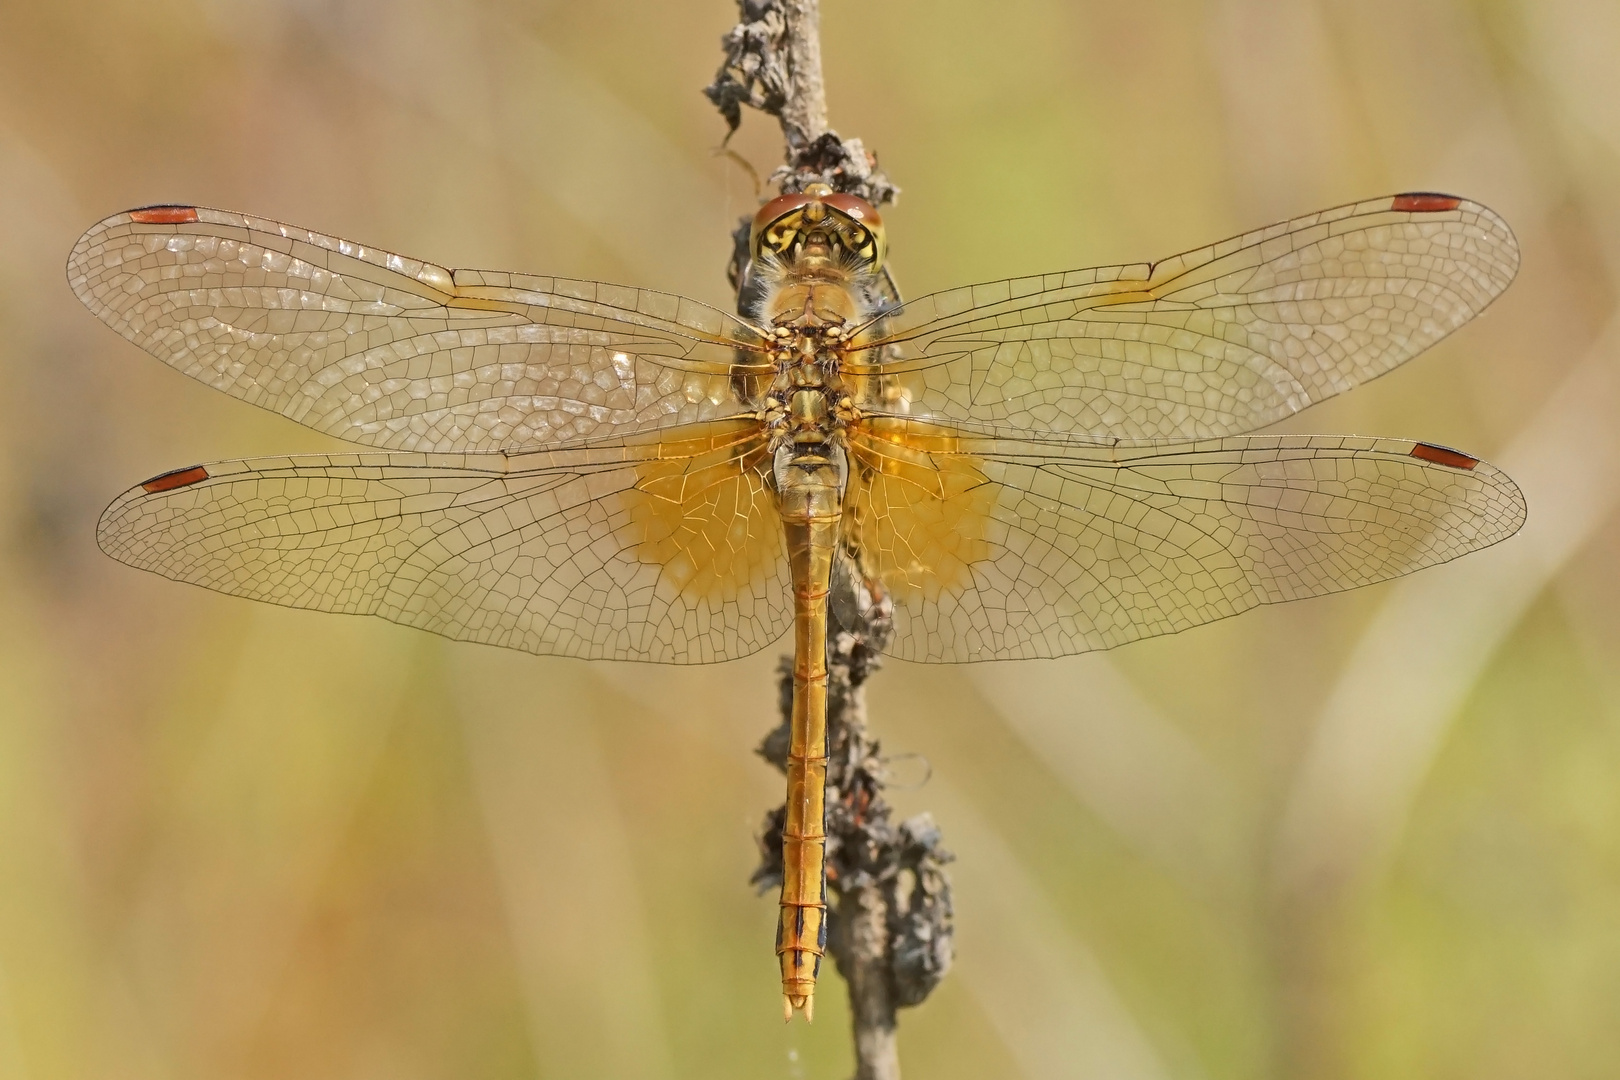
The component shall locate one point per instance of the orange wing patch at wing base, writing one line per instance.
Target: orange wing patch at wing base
(918, 509)
(704, 513)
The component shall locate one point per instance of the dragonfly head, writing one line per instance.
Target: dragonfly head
(819, 227)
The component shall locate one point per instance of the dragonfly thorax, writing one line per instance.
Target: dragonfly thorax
(807, 402)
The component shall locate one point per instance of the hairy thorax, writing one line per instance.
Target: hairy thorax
(811, 308)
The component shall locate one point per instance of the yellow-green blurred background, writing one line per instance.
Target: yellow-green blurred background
(1374, 835)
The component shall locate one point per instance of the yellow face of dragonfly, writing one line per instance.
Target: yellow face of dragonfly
(819, 223)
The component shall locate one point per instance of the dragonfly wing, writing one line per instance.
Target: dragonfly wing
(1219, 341)
(669, 551)
(391, 352)
(1009, 549)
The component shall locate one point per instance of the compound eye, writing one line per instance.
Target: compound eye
(780, 206)
(853, 206)
(777, 222)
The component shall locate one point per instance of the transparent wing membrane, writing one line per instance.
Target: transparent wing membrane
(391, 352)
(1218, 341)
(1012, 549)
(666, 551)
(1039, 467)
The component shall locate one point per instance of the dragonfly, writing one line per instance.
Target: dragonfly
(1026, 468)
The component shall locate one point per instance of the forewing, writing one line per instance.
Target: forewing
(1218, 341)
(1007, 549)
(668, 551)
(391, 352)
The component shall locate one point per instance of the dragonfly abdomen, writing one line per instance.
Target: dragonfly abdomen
(810, 491)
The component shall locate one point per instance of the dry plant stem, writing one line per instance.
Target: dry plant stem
(863, 619)
(804, 113)
(864, 923)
